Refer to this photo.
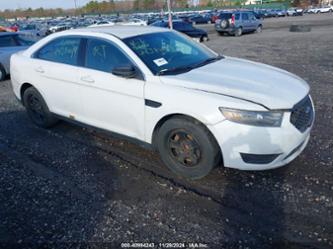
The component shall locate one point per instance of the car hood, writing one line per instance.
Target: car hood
(263, 84)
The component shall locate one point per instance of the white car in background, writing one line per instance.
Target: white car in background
(135, 22)
(295, 12)
(317, 10)
(197, 108)
(325, 9)
(102, 24)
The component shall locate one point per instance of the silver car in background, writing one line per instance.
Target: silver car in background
(11, 43)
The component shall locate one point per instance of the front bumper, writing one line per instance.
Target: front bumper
(235, 140)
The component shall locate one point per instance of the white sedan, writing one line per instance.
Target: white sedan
(102, 24)
(197, 108)
(135, 22)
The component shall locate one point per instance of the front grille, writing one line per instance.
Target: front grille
(302, 114)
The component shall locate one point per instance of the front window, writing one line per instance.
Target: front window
(169, 52)
(104, 56)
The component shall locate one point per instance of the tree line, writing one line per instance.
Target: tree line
(103, 7)
(114, 6)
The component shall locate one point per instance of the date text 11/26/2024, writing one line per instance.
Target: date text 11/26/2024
(164, 245)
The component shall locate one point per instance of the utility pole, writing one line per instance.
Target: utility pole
(170, 14)
(75, 4)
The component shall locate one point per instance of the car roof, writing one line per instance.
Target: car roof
(119, 31)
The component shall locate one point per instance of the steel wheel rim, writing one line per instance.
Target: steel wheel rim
(36, 109)
(184, 148)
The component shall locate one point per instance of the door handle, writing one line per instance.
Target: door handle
(39, 70)
(87, 79)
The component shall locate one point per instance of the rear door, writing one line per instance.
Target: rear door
(246, 22)
(55, 74)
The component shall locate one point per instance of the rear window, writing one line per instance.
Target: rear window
(225, 15)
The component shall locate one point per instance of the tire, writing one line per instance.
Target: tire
(204, 38)
(220, 33)
(187, 148)
(259, 29)
(300, 28)
(37, 109)
(239, 31)
(3, 73)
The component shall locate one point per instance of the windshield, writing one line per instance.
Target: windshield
(169, 52)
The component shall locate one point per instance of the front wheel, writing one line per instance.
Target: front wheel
(37, 109)
(187, 148)
(259, 29)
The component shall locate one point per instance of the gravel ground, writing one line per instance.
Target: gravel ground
(71, 187)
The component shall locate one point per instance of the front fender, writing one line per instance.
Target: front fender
(200, 105)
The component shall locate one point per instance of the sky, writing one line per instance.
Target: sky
(15, 4)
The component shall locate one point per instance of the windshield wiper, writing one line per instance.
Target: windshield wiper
(178, 70)
(207, 61)
(175, 70)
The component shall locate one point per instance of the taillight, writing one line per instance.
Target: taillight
(233, 19)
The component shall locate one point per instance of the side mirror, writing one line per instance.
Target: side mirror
(127, 71)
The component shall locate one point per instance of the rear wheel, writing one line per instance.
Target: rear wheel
(37, 109)
(2, 73)
(239, 31)
(187, 148)
(259, 29)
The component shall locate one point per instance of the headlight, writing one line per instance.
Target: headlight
(256, 118)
